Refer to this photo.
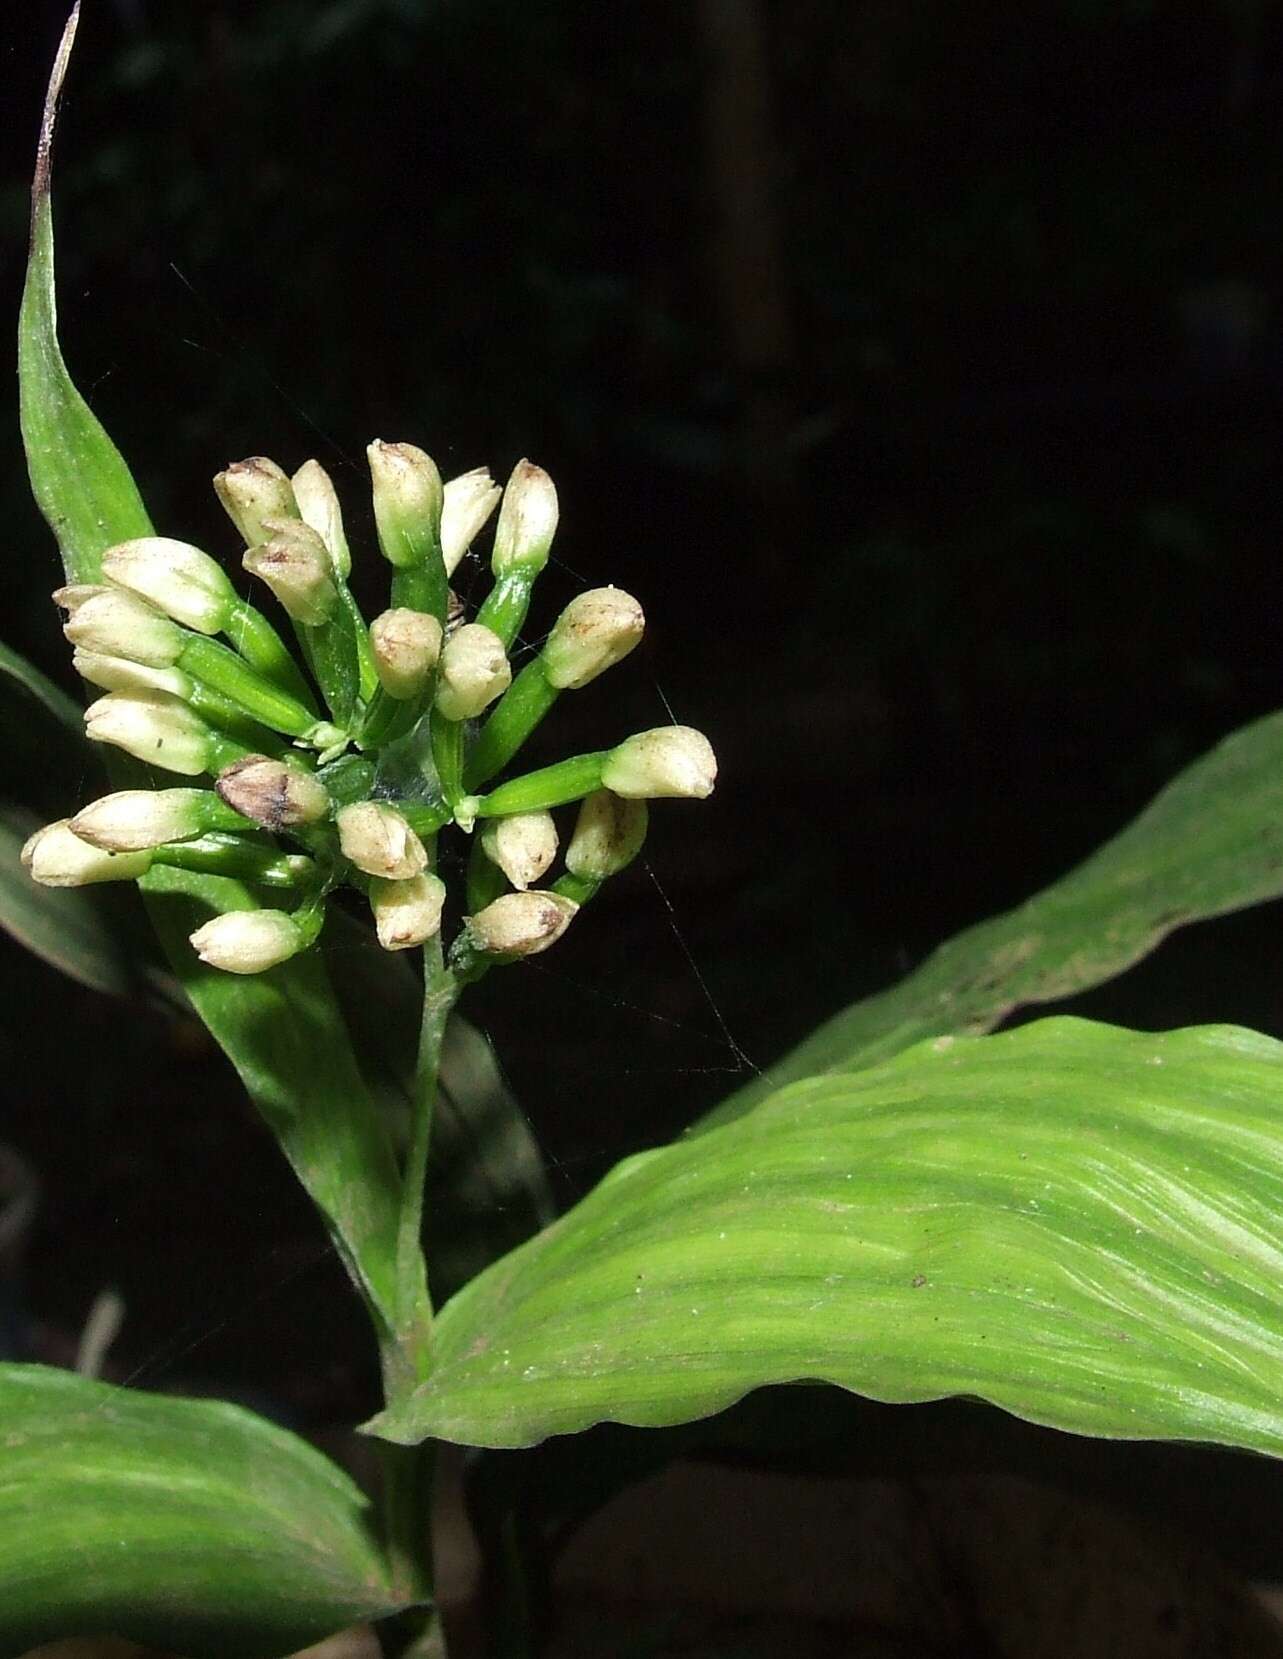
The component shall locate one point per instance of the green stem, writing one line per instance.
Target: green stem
(231, 855)
(423, 586)
(505, 606)
(516, 714)
(228, 674)
(567, 780)
(447, 755)
(263, 648)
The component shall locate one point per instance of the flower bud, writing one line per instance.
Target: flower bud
(523, 846)
(672, 761)
(407, 913)
(474, 671)
(521, 924)
(175, 577)
(295, 564)
(594, 632)
(248, 941)
(608, 836)
(468, 502)
(74, 595)
(527, 521)
(252, 492)
(406, 647)
(119, 674)
(119, 624)
(151, 726)
(318, 507)
(55, 856)
(408, 500)
(273, 793)
(379, 841)
(132, 820)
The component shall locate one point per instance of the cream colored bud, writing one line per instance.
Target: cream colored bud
(132, 820)
(119, 624)
(406, 647)
(474, 671)
(295, 564)
(594, 632)
(151, 726)
(253, 491)
(407, 913)
(273, 793)
(318, 507)
(119, 674)
(379, 841)
(248, 941)
(521, 924)
(75, 594)
(527, 520)
(55, 856)
(523, 846)
(175, 577)
(468, 502)
(608, 836)
(674, 761)
(408, 500)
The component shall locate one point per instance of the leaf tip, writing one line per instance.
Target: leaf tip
(44, 149)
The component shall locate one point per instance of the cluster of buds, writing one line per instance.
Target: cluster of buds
(345, 767)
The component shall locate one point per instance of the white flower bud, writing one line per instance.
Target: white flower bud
(151, 726)
(318, 507)
(474, 671)
(521, 924)
(295, 564)
(674, 761)
(176, 577)
(114, 623)
(468, 502)
(608, 836)
(273, 793)
(119, 674)
(132, 820)
(594, 632)
(527, 520)
(523, 846)
(408, 499)
(248, 941)
(407, 913)
(55, 856)
(253, 491)
(379, 841)
(406, 647)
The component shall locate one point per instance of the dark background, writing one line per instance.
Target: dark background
(918, 365)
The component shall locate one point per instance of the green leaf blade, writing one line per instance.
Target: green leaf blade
(180, 1523)
(1076, 1223)
(1209, 843)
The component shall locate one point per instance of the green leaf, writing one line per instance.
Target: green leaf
(283, 1031)
(179, 1523)
(1077, 1223)
(1209, 843)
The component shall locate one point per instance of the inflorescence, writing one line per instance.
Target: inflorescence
(422, 712)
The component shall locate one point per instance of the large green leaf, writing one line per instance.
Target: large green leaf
(1078, 1223)
(180, 1523)
(283, 1031)
(1209, 843)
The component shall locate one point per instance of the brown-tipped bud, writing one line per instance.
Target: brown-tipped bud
(318, 507)
(474, 671)
(468, 502)
(253, 491)
(407, 913)
(55, 856)
(296, 566)
(273, 793)
(379, 841)
(608, 836)
(523, 846)
(527, 521)
(406, 647)
(596, 630)
(408, 498)
(672, 761)
(520, 924)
